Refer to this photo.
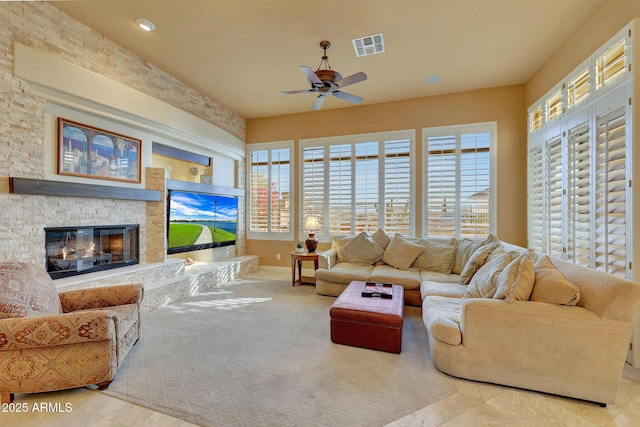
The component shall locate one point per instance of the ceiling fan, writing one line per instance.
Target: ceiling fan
(325, 81)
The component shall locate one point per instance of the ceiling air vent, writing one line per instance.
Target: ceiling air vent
(369, 45)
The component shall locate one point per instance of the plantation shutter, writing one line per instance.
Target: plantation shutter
(441, 186)
(474, 189)
(535, 198)
(359, 183)
(458, 183)
(259, 187)
(279, 190)
(553, 199)
(578, 88)
(269, 213)
(366, 187)
(579, 196)
(397, 186)
(313, 183)
(340, 189)
(610, 193)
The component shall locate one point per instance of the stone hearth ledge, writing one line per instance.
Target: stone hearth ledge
(166, 282)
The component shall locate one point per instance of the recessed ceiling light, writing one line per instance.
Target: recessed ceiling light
(369, 45)
(145, 24)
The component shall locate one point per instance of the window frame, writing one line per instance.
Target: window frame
(270, 147)
(325, 234)
(492, 129)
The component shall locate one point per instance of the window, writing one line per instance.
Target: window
(579, 189)
(578, 88)
(535, 119)
(535, 198)
(610, 65)
(611, 193)
(269, 181)
(358, 183)
(554, 105)
(457, 181)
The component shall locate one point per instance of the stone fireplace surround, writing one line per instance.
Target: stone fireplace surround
(165, 279)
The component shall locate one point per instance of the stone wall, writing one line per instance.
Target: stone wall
(22, 125)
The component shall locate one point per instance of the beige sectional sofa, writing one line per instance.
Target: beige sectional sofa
(403, 261)
(506, 315)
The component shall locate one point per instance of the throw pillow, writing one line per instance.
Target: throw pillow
(483, 284)
(27, 290)
(436, 256)
(464, 249)
(338, 243)
(515, 283)
(362, 250)
(381, 238)
(476, 261)
(401, 253)
(552, 286)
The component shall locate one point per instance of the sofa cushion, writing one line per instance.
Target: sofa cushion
(515, 283)
(465, 248)
(27, 290)
(401, 253)
(434, 276)
(381, 238)
(409, 279)
(441, 316)
(344, 272)
(451, 290)
(476, 261)
(436, 256)
(484, 282)
(362, 250)
(551, 286)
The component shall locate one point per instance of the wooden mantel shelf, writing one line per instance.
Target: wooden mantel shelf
(43, 187)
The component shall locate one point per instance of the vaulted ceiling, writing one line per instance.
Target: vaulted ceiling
(242, 53)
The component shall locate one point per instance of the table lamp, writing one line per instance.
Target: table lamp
(311, 225)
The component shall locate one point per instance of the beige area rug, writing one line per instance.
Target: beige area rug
(259, 353)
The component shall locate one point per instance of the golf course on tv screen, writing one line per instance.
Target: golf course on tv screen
(201, 221)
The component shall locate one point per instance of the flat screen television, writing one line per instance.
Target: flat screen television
(200, 221)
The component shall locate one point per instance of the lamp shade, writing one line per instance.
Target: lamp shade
(311, 224)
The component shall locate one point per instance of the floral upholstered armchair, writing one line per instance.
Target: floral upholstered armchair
(54, 341)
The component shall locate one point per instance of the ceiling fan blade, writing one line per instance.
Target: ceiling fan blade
(292, 92)
(319, 101)
(311, 76)
(354, 78)
(348, 97)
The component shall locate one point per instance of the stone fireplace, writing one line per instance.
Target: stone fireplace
(84, 249)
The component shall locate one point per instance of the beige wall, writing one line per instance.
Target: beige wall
(504, 105)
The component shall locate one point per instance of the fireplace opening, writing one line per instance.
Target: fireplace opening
(79, 250)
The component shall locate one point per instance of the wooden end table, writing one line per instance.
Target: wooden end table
(296, 259)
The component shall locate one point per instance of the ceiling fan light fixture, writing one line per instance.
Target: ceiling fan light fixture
(368, 45)
(145, 24)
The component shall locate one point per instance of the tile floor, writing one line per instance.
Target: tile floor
(475, 404)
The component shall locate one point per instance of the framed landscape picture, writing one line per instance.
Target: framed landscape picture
(97, 153)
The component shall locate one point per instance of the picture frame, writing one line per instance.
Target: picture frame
(92, 152)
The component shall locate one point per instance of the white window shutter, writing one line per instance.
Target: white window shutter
(441, 186)
(579, 196)
(553, 197)
(397, 186)
(259, 187)
(366, 163)
(610, 193)
(535, 228)
(313, 184)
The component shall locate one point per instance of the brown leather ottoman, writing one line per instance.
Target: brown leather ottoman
(373, 323)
